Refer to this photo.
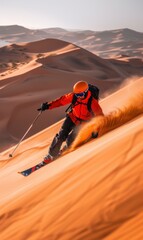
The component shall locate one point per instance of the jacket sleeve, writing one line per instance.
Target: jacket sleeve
(63, 100)
(97, 110)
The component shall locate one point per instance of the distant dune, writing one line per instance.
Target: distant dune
(106, 44)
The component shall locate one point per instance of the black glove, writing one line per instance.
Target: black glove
(44, 106)
(94, 134)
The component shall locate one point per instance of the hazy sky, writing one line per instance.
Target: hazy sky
(95, 15)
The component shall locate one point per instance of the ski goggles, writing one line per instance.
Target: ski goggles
(82, 94)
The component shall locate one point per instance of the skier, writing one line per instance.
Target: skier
(77, 115)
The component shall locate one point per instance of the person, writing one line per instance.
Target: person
(77, 115)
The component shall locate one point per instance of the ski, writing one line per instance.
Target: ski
(30, 170)
(36, 167)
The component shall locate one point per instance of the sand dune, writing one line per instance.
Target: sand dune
(94, 192)
(41, 77)
(106, 44)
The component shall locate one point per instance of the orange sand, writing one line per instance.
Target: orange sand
(94, 192)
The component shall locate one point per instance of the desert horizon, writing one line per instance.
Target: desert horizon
(113, 43)
(94, 190)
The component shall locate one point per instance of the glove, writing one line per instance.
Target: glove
(94, 134)
(44, 106)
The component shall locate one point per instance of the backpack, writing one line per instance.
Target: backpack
(94, 94)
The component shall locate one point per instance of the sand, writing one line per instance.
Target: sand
(92, 193)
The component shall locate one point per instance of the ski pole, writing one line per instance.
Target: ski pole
(10, 155)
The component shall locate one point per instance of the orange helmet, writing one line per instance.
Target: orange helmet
(80, 86)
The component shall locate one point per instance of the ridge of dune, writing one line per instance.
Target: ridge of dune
(45, 45)
(36, 61)
(17, 58)
(94, 192)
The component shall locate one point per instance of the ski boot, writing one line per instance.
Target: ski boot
(63, 149)
(47, 159)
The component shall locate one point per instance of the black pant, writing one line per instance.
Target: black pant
(67, 133)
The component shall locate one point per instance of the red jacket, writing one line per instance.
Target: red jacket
(79, 111)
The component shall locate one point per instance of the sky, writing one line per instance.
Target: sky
(96, 15)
